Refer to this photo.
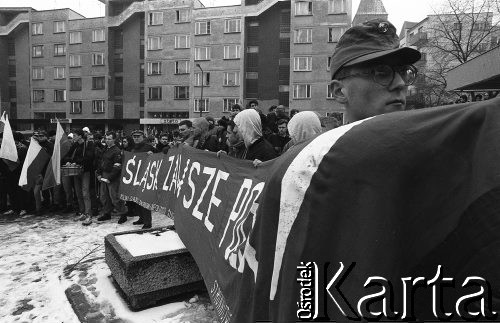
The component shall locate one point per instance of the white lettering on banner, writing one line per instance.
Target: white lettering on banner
(213, 199)
(155, 182)
(129, 172)
(175, 177)
(171, 160)
(181, 182)
(220, 305)
(186, 203)
(144, 178)
(208, 171)
(238, 217)
(136, 183)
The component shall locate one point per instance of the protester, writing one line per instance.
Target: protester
(41, 137)
(293, 112)
(141, 145)
(272, 120)
(108, 173)
(303, 125)
(249, 127)
(81, 155)
(370, 72)
(185, 131)
(280, 139)
(202, 139)
(164, 144)
(127, 143)
(236, 146)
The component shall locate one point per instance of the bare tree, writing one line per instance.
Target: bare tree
(456, 33)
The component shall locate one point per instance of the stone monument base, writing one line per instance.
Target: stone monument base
(147, 279)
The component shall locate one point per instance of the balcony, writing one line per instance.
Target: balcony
(418, 39)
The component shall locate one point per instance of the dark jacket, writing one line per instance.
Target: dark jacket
(82, 154)
(162, 148)
(143, 147)
(261, 150)
(110, 165)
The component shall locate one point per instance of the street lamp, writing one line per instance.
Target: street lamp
(202, 103)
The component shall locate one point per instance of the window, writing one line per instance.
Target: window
(201, 104)
(181, 41)
(59, 95)
(252, 75)
(329, 91)
(59, 73)
(206, 79)
(181, 67)
(232, 26)
(252, 49)
(155, 18)
(154, 68)
(201, 53)
(457, 26)
(38, 95)
(38, 51)
(231, 51)
(182, 15)
(336, 6)
(154, 43)
(75, 37)
(59, 49)
(231, 78)
(97, 58)
(37, 73)
(37, 28)
(98, 106)
(59, 27)
(141, 96)
(303, 36)
(75, 60)
(328, 62)
(181, 92)
(302, 63)
(303, 8)
(75, 84)
(202, 28)
(228, 104)
(334, 34)
(154, 93)
(98, 35)
(76, 107)
(302, 91)
(98, 82)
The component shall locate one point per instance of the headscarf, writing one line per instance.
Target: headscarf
(304, 125)
(200, 132)
(249, 126)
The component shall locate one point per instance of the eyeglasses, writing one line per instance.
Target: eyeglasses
(384, 74)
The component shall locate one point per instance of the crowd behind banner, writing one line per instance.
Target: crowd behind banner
(88, 183)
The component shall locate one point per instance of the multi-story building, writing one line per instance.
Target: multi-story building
(155, 63)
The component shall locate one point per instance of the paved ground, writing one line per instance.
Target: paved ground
(46, 260)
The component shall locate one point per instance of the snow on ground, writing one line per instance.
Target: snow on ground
(34, 252)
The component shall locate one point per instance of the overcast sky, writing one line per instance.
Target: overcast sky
(398, 10)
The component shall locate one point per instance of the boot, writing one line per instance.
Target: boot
(122, 219)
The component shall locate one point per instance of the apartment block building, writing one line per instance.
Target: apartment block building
(154, 63)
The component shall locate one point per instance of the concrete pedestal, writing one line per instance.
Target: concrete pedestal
(150, 278)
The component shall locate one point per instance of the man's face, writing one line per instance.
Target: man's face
(41, 138)
(254, 106)
(164, 140)
(138, 138)
(184, 131)
(366, 98)
(282, 129)
(110, 141)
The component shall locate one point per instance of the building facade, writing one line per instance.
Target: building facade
(154, 63)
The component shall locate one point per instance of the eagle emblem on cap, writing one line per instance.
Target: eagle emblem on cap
(383, 27)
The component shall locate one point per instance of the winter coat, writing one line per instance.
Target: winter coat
(110, 165)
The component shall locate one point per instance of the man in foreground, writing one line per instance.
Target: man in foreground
(370, 72)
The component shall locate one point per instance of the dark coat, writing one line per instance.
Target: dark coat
(110, 165)
(261, 150)
(82, 154)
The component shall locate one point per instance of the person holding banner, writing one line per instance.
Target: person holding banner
(141, 145)
(108, 174)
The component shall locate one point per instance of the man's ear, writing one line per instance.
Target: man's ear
(339, 91)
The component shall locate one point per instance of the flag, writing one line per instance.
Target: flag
(36, 159)
(61, 148)
(8, 150)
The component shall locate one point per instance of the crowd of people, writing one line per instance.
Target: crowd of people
(91, 168)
